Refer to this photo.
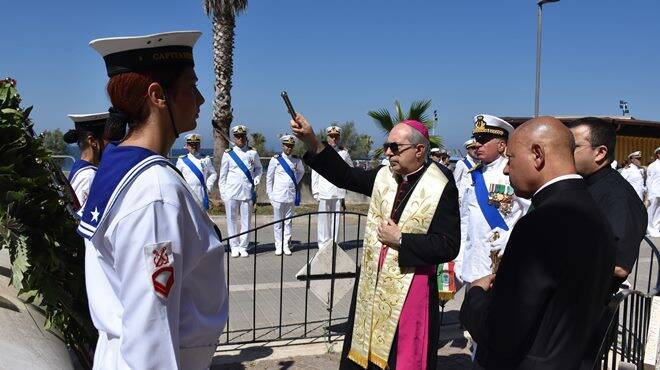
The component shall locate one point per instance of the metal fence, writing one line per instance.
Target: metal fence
(621, 337)
(274, 292)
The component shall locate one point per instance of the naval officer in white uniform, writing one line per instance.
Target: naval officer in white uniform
(240, 174)
(158, 297)
(328, 195)
(197, 170)
(285, 171)
(88, 134)
(653, 188)
(634, 173)
(490, 206)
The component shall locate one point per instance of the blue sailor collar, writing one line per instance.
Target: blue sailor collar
(118, 168)
(79, 165)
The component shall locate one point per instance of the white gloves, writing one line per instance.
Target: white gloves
(497, 240)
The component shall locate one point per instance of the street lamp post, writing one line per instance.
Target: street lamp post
(538, 53)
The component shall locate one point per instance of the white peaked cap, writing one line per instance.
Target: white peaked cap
(635, 154)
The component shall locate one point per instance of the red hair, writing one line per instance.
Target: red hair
(128, 93)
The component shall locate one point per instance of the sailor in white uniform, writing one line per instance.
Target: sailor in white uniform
(197, 170)
(490, 205)
(328, 195)
(159, 298)
(88, 134)
(462, 170)
(240, 174)
(653, 188)
(285, 171)
(440, 156)
(634, 173)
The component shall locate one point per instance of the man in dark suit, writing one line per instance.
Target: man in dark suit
(543, 307)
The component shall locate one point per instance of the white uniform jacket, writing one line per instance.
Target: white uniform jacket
(233, 183)
(157, 292)
(322, 188)
(205, 166)
(653, 179)
(460, 171)
(279, 186)
(635, 176)
(81, 177)
(476, 256)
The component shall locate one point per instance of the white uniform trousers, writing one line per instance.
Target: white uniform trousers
(280, 211)
(238, 221)
(654, 217)
(327, 229)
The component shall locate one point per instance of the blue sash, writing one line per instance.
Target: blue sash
(289, 172)
(246, 172)
(118, 168)
(490, 212)
(467, 163)
(200, 177)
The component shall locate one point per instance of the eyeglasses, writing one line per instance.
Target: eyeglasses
(394, 147)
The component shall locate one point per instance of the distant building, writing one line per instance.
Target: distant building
(632, 134)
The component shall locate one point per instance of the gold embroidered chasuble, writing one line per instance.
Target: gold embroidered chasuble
(381, 295)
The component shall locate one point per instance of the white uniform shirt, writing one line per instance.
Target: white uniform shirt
(81, 182)
(279, 186)
(476, 257)
(460, 171)
(205, 166)
(233, 183)
(653, 179)
(635, 176)
(155, 223)
(324, 189)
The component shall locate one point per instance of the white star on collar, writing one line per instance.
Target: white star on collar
(95, 214)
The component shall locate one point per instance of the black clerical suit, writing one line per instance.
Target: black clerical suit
(548, 293)
(625, 212)
(439, 245)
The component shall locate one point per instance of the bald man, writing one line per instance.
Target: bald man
(542, 308)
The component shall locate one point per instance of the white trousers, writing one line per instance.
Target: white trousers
(280, 211)
(238, 221)
(653, 228)
(327, 228)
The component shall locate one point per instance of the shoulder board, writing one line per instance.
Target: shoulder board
(181, 156)
(227, 150)
(342, 148)
(251, 148)
(276, 156)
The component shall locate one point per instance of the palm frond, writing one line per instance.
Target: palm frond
(399, 112)
(436, 142)
(225, 7)
(383, 118)
(418, 111)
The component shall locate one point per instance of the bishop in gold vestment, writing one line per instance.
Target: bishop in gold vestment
(412, 226)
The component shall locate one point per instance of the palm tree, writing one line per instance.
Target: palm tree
(223, 13)
(417, 111)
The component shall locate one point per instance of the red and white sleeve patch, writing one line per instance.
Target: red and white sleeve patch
(160, 265)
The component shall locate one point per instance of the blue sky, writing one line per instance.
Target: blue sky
(340, 59)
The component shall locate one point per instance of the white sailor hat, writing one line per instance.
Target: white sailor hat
(487, 124)
(193, 138)
(89, 122)
(239, 130)
(656, 150)
(637, 154)
(435, 150)
(470, 143)
(140, 53)
(288, 139)
(94, 123)
(333, 130)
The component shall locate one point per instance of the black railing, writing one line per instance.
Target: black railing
(310, 324)
(623, 330)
